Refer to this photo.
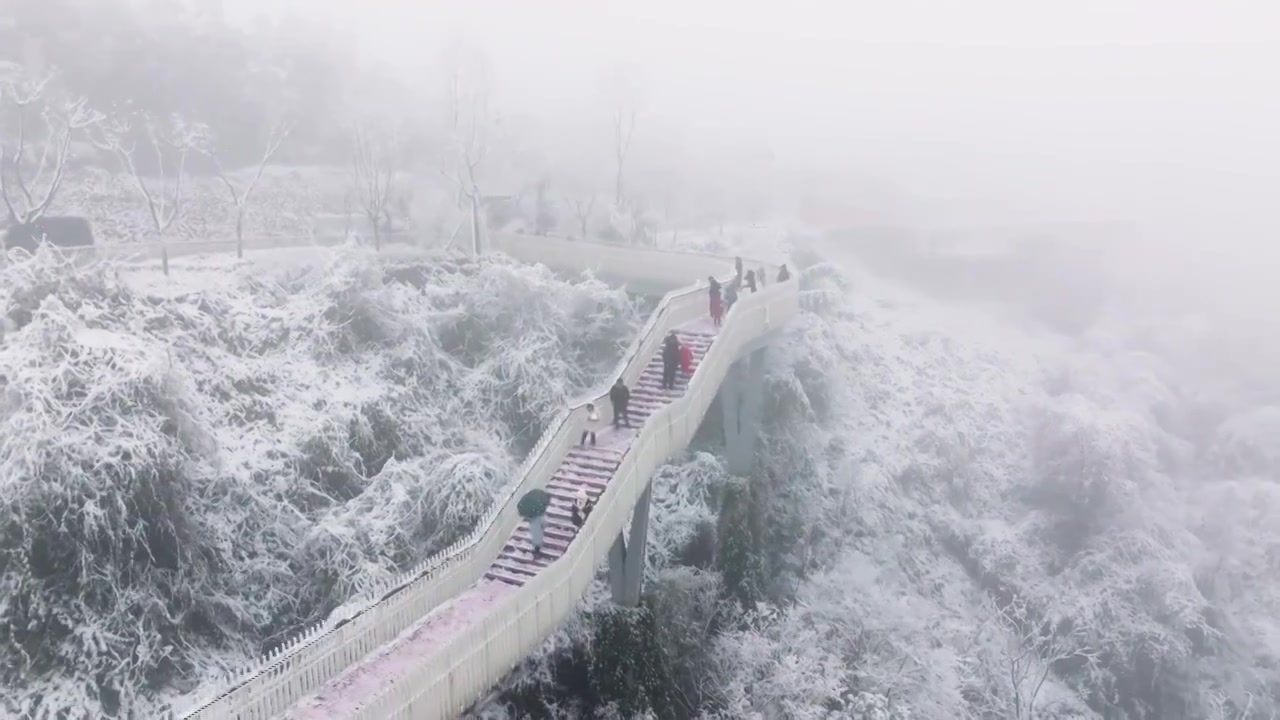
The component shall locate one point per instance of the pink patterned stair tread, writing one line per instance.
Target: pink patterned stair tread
(587, 468)
(590, 469)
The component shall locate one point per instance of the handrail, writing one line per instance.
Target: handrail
(452, 677)
(404, 600)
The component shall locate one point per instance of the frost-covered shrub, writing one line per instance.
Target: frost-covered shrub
(922, 469)
(685, 499)
(1088, 462)
(189, 478)
(102, 571)
(1248, 444)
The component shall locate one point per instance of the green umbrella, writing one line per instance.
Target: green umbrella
(534, 503)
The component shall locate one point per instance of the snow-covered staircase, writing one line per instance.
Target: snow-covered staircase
(430, 643)
(589, 468)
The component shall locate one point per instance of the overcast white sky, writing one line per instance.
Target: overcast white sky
(1160, 112)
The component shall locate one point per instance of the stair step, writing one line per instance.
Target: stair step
(564, 476)
(648, 394)
(495, 574)
(519, 567)
(559, 522)
(563, 532)
(524, 546)
(578, 453)
(593, 492)
(586, 472)
(548, 541)
(606, 454)
(589, 466)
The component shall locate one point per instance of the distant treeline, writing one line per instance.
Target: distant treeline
(175, 56)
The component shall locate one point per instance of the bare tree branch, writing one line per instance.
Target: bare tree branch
(175, 141)
(373, 161)
(240, 197)
(61, 120)
(624, 128)
(470, 126)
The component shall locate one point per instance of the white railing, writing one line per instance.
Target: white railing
(451, 680)
(184, 248)
(647, 266)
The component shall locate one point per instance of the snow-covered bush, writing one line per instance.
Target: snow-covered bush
(187, 479)
(948, 510)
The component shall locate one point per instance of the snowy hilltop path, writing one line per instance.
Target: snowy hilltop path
(585, 468)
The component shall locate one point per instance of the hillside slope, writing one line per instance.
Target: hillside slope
(948, 508)
(189, 478)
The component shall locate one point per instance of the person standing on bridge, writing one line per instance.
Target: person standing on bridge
(670, 360)
(760, 276)
(751, 280)
(593, 422)
(619, 396)
(784, 274)
(730, 296)
(717, 305)
(737, 265)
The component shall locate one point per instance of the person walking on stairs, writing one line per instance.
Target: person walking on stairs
(578, 513)
(593, 422)
(533, 507)
(686, 360)
(751, 280)
(784, 274)
(717, 305)
(670, 360)
(619, 396)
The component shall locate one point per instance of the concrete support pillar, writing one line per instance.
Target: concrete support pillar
(626, 558)
(618, 569)
(741, 399)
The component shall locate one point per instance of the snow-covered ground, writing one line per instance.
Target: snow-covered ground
(195, 468)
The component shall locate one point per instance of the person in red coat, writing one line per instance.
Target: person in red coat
(686, 359)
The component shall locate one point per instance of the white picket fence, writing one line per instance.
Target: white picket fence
(456, 674)
(155, 251)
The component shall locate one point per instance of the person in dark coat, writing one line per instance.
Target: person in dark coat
(751, 280)
(730, 296)
(619, 396)
(670, 360)
(717, 304)
(784, 274)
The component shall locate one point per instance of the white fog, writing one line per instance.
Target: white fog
(311, 312)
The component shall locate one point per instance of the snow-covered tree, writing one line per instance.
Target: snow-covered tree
(376, 152)
(164, 144)
(471, 127)
(241, 191)
(38, 123)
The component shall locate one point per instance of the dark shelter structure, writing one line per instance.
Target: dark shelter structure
(65, 232)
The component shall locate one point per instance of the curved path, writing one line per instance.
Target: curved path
(438, 639)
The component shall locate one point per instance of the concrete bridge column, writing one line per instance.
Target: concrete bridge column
(741, 399)
(626, 557)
